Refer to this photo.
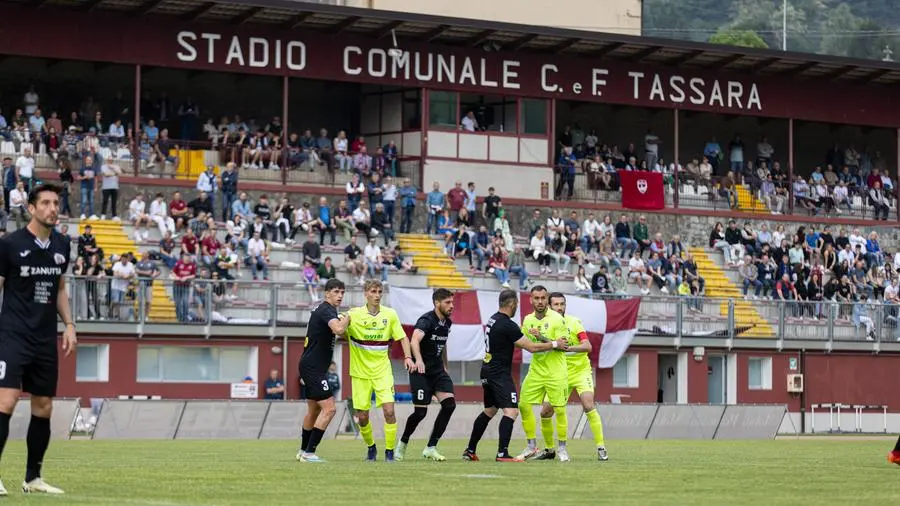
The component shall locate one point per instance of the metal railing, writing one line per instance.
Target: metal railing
(215, 302)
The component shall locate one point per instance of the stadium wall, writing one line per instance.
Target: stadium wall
(848, 378)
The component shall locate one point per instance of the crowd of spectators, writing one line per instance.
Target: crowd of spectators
(807, 268)
(829, 189)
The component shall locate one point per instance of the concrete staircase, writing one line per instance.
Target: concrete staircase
(429, 257)
(718, 285)
(113, 240)
(748, 202)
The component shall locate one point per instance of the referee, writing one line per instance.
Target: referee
(32, 263)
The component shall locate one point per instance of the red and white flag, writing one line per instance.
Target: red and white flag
(642, 189)
(611, 325)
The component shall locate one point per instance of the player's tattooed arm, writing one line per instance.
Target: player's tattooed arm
(416, 348)
(533, 347)
(583, 346)
(537, 335)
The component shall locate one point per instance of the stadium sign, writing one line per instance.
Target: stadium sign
(424, 67)
(265, 51)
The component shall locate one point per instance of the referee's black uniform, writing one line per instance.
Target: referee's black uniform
(32, 273)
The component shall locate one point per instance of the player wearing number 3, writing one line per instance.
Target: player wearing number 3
(321, 332)
(371, 330)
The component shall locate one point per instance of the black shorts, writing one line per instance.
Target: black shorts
(28, 366)
(500, 393)
(423, 386)
(316, 384)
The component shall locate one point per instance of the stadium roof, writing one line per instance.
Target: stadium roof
(331, 19)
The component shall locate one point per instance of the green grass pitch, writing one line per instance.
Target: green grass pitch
(174, 473)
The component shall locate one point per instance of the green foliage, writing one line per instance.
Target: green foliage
(854, 28)
(740, 38)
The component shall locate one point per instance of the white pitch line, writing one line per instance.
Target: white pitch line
(119, 500)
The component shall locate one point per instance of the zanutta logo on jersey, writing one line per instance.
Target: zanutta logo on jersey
(642, 185)
(26, 271)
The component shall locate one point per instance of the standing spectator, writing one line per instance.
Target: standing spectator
(390, 157)
(408, 194)
(183, 274)
(456, 198)
(18, 200)
(491, 207)
(274, 387)
(87, 175)
(146, 271)
(25, 168)
(229, 179)
(566, 168)
(389, 198)
(435, 201)
(9, 179)
(651, 148)
(123, 272)
(109, 184)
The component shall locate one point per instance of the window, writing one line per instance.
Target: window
(442, 109)
(493, 113)
(759, 373)
(534, 117)
(625, 372)
(412, 109)
(215, 364)
(92, 362)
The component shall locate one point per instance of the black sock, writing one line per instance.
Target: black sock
(443, 418)
(315, 437)
(37, 441)
(506, 428)
(415, 418)
(4, 430)
(896, 445)
(478, 429)
(304, 438)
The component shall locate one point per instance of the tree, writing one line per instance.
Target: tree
(740, 38)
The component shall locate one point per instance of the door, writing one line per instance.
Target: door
(715, 375)
(668, 379)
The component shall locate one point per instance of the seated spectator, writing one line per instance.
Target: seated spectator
(497, 266)
(749, 272)
(326, 271)
(624, 238)
(481, 246)
(861, 317)
(727, 190)
(190, 243)
(516, 265)
(878, 201)
(539, 251)
(374, 260)
(462, 245)
(138, 216)
(362, 220)
(354, 261)
(258, 256)
(599, 281)
(209, 246)
(717, 241)
(618, 282)
(310, 279)
(312, 253)
(637, 272)
(325, 222)
(382, 224)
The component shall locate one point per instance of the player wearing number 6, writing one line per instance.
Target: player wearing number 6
(502, 336)
(371, 330)
(580, 378)
(321, 332)
(429, 348)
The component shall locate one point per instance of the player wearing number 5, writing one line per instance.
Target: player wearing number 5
(371, 330)
(502, 336)
(429, 348)
(32, 263)
(321, 332)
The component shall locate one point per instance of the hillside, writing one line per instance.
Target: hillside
(856, 28)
